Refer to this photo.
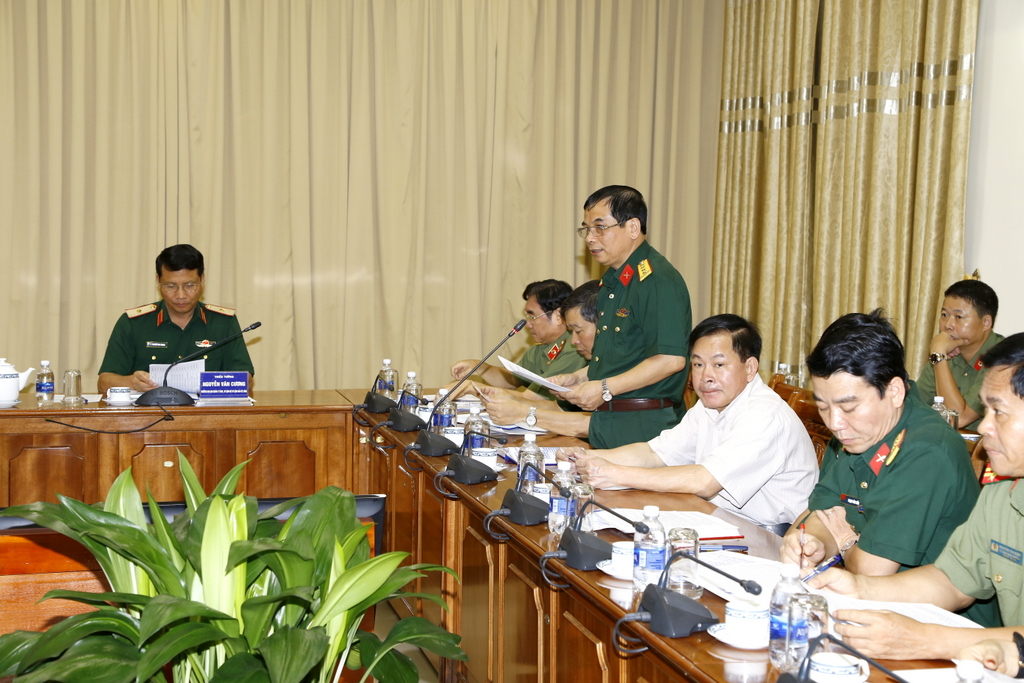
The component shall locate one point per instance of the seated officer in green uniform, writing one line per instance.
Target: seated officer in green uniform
(171, 328)
(895, 479)
(552, 354)
(954, 370)
(634, 383)
(982, 558)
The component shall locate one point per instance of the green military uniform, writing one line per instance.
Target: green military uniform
(145, 335)
(547, 360)
(906, 494)
(983, 557)
(643, 310)
(967, 373)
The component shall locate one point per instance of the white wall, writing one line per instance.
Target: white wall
(995, 181)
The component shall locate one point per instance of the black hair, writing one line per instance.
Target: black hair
(180, 257)
(549, 293)
(864, 345)
(1009, 353)
(584, 298)
(623, 201)
(746, 340)
(979, 295)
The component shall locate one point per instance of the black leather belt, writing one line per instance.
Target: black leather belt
(621, 405)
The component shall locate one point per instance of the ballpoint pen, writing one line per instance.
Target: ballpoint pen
(742, 548)
(828, 564)
(803, 540)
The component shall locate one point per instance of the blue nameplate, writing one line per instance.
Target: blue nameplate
(1006, 552)
(224, 384)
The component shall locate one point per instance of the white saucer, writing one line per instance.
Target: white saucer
(119, 403)
(727, 636)
(9, 404)
(606, 566)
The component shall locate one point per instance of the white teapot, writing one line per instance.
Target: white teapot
(11, 381)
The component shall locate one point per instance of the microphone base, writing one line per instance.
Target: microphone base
(674, 615)
(434, 445)
(378, 403)
(165, 396)
(525, 509)
(583, 550)
(467, 471)
(404, 421)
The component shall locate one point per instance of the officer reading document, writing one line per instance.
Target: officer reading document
(172, 328)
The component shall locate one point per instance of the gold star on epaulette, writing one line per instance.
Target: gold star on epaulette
(223, 310)
(140, 310)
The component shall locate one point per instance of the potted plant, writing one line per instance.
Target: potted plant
(223, 594)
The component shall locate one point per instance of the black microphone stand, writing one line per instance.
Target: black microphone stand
(465, 470)
(169, 396)
(803, 673)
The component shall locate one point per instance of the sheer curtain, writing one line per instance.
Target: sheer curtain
(369, 178)
(865, 208)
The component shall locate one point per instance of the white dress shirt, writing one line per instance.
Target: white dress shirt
(757, 449)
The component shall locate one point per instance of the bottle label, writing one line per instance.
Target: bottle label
(410, 402)
(530, 474)
(441, 420)
(477, 441)
(383, 385)
(652, 559)
(558, 505)
(779, 625)
(44, 387)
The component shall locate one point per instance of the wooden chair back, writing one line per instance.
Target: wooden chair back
(979, 458)
(802, 403)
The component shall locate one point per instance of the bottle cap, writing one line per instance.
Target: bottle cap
(651, 510)
(442, 392)
(564, 466)
(530, 437)
(411, 374)
(387, 361)
(475, 408)
(939, 399)
(789, 571)
(44, 363)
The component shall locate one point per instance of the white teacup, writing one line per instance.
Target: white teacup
(837, 667)
(119, 394)
(488, 456)
(747, 620)
(622, 558)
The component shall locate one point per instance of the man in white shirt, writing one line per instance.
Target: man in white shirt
(741, 446)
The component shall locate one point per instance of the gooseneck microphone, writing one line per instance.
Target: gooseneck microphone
(803, 673)
(431, 444)
(752, 587)
(583, 550)
(169, 396)
(465, 470)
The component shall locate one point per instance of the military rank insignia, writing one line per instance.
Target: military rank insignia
(978, 365)
(644, 269)
(622, 313)
(555, 350)
(204, 344)
(879, 458)
(626, 275)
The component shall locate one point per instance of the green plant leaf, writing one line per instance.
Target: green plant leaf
(242, 668)
(165, 535)
(164, 610)
(423, 634)
(356, 584)
(390, 666)
(291, 653)
(98, 599)
(12, 647)
(228, 486)
(176, 641)
(95, 659)
(243, 550)
(69, 631)
(194, 492)
(325, 517)
(257, 612)
(284, 506)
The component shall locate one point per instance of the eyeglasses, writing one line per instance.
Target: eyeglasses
(172, 287)
(531, 318)
(584, 230)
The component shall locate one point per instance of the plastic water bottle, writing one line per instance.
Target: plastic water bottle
(413, 390)
(530, 453)
(444, 416)
(387, 380)
(649, 550)
(480, 425)
(952, 417)
(787, 642)
(561, 509)
(44, 383)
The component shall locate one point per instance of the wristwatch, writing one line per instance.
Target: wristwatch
(937, 358)
(531, 417)
(1018, 640)
(606, 393)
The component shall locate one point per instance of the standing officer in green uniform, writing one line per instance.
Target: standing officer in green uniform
(895, 479)
(634, 383)
(983, 557)
(955, 370)
(552, 354)
(172, 328)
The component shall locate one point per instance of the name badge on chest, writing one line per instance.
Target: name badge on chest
(156, 345)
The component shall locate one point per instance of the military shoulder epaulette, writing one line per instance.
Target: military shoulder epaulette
(140, 310)
(223, 310)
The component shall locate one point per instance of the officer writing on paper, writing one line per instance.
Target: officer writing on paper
(172, 328)
(983, 557)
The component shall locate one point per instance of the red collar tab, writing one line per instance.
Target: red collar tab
(202, 314)
(626, 275)
(160, 318)
(555, 350)
(879, 459)
(978, 365)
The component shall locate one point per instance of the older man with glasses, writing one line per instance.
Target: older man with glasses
(172, 328)
(634, 383)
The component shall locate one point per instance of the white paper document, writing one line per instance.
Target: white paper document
(520, 371)
(185, 376)
(707, 527)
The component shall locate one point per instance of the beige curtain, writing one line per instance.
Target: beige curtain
(874, 206)
(369, 178)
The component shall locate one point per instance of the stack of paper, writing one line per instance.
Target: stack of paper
(707, 527)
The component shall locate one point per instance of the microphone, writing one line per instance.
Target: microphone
(520, 507)
(377, 403)
(466, 470)
(752, 587)
(803, 673)
(433, 445)
(169, 396)
(403, 420)
(584, 551)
